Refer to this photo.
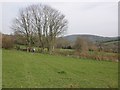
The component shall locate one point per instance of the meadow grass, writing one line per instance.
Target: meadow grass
(35, 70)
(0, 68)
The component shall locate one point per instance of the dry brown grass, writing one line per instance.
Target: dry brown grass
(95, 55)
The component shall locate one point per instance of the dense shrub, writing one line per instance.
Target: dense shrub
(17, 47)
(7, 42)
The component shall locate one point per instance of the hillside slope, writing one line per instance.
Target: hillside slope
(92, 38)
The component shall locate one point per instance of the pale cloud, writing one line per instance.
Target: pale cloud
(59, 0)
(0, 17)
(98, 18)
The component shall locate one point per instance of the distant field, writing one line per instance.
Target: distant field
(33, 70)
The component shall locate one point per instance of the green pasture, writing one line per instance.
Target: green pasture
(35, 70)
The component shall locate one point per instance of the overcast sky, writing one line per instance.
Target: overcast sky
(97, 18)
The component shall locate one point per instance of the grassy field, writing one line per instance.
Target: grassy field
(0, 68)
(33, 70)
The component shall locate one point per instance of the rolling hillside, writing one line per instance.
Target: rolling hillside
(92, 38)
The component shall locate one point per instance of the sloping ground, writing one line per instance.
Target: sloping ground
(111, 45)
(93, 38)
(33, 70)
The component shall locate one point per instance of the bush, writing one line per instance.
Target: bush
(17, 47)
(7, 42)
(81, 44)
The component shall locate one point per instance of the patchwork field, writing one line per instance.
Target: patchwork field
(34, 70)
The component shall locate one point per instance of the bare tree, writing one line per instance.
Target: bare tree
(23, 26)
(43, 21)
(81, 44)
(57, 24)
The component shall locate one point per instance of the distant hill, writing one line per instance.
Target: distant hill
(92, 38)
